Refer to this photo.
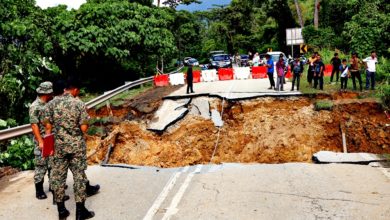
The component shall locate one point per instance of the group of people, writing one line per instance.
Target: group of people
(281, 68)
(351, 69)
(58, 110)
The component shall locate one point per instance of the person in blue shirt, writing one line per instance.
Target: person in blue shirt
(270, 70)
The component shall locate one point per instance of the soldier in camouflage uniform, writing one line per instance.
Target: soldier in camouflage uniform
(44, 91)
(68, 118)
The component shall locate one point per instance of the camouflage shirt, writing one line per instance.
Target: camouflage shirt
(66, 114)
(36, 114)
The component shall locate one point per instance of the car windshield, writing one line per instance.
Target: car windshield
(275, 57)
(192, 60)
(244, 57)
(220, 57)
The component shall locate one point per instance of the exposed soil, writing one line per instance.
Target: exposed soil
(264, 130)
(6, 171)
(140, 107)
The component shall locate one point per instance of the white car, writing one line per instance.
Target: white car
(275, 57)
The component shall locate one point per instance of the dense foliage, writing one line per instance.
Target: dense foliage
(19, 154)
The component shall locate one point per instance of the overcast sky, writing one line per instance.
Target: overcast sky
(70, 3)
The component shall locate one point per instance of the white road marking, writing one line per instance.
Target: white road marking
(172, 209)
(164, 193)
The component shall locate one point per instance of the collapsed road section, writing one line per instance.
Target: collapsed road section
(261, 130)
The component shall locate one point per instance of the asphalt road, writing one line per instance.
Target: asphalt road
(228, 191)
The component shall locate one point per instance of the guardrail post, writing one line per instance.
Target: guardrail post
(108, 105)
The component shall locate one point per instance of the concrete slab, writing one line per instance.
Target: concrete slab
(216, 118)
(170, 112)
(234, 89)
(357, 158)
(203, 106)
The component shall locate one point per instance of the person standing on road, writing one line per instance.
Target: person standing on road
(190, 80)
(280, 67)
(58, 91)
(319, 72)
(270, 70)
(336, 62)
(310, 70)
(68, 118)
(42, 164)
(237, 59)
(256, 60)
(370, 63)
(344, 75)
(297, 69)
(355, 70)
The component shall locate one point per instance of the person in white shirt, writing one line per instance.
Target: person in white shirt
(370, 63)
(256, 60)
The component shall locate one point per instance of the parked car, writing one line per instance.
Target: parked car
(220, 61)
(186, 59)
(193, 62)
(244, 60)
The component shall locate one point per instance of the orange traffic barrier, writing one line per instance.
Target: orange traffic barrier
(328, 70)
(225, 73)
(288, 74)
(161, 80)
(196, 75)
(259, 72)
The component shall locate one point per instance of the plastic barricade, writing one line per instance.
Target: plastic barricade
(241, 72)
(259, 72)
(196, 74)
(328, 70)
(176, 79)
(209, 75)
(225, 73)
(288, 73)
(161, 80)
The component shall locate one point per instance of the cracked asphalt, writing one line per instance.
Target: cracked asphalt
(227, 191)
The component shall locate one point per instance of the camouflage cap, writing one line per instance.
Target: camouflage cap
(45, 88)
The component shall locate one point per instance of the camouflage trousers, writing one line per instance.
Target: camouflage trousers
(77, 163)
(42, 165)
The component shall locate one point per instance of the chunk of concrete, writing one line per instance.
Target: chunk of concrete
(203, 106)
(354, 158)
(216, 118)
(169, 113)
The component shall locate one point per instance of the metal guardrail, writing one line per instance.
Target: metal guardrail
(26, 129)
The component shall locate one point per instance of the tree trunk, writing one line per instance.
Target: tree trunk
(316, 12)
(299, 13)
(158, 3)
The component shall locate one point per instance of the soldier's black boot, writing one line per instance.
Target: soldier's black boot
(62, 211)
(82, 212)
(92, 190)
(39, 193)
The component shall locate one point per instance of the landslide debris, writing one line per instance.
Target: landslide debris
(263, 130)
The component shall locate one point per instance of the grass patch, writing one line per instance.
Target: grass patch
(95, 130)
(323, 105)
(100, 121)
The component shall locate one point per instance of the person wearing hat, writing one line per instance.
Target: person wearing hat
(44, 92)
(67, 116)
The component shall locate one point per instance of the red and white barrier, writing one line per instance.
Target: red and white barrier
(259, 72)
(242, 72)
(225, 73)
